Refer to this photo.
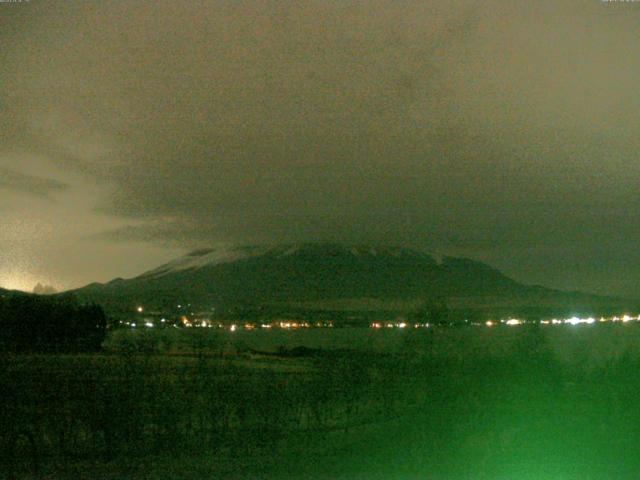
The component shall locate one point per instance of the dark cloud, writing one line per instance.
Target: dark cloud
(503, 131)
(29, 184)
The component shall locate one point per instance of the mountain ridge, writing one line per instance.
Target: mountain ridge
(326, 274)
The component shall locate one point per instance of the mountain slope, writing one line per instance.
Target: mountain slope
(316, 273)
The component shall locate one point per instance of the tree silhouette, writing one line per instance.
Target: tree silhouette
(31, 323)
(433, 311)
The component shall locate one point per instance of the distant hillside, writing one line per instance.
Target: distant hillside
(333, 277)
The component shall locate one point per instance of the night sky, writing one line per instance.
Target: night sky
(132, 132)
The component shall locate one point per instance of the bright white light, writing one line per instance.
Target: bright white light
(489, 323)
(233, 328)
(140, 309)
(133, 324)
(576, 320)
(402, 325)
(514, 321)
(626, 318)
(148, 324)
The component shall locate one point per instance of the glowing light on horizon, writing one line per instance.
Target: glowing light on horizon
(577, 321)
(20, 280)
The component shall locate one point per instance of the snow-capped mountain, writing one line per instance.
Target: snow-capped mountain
(316, 273)
(205, 258)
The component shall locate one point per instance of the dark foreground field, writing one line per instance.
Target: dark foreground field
(518, 412)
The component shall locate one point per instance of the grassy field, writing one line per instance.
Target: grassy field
(469, 403)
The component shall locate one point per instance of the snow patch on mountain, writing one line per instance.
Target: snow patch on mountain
(205, 257)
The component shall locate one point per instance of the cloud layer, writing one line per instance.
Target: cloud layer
(29, 184)
(507, 132)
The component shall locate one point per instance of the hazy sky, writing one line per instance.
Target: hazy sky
(133, 131)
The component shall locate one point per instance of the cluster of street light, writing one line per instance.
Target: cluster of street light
(187, 322)
(565, 321)
(513, 322)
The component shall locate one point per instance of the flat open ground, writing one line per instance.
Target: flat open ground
(513, 403)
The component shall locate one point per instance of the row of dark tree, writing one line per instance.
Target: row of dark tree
(31, 323)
